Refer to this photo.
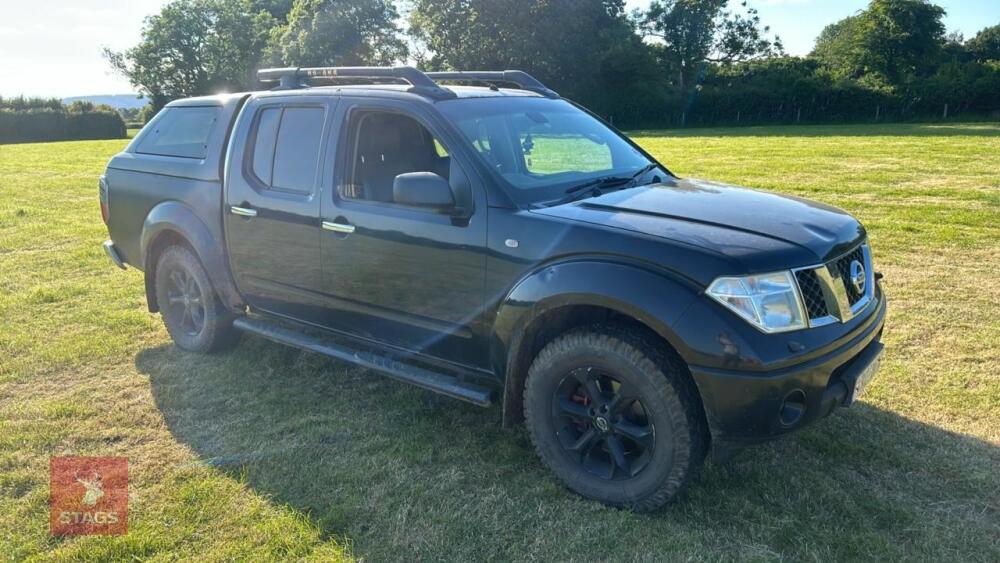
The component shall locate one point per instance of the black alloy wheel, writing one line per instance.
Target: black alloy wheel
(185, 305)
(193, 314)
(603, 424)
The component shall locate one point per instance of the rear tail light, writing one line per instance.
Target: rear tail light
(103, 188)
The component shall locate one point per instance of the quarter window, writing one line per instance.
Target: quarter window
(181, 132)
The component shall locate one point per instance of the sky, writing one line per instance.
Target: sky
(53, 47)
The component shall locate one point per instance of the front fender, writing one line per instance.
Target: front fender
(649, 296)
(177, 219)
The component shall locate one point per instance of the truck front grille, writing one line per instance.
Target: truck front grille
(841, 269)
(828, 293)
(812, 294)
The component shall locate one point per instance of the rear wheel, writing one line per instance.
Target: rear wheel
(613, 417)
(195, 318)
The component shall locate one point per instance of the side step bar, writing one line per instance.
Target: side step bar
(421, 377)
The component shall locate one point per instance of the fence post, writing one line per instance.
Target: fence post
(684, 118)
(878, 110)
(946, 111)
(798, 115)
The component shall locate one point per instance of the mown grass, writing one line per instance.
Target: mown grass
(268, 453)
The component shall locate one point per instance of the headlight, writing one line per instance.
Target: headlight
(770, 302)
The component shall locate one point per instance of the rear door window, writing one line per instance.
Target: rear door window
(286, 147)
(296, 153)
(181, 132)
(263, 151)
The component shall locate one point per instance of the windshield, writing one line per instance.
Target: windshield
(541, 147)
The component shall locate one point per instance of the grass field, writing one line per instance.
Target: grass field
(267, 453)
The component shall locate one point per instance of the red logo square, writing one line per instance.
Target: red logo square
(88, 496)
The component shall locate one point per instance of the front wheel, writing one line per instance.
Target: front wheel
(195, 318)
(612, 416)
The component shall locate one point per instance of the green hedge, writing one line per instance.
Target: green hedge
(48, 124)
(98, 124)
(792, 90)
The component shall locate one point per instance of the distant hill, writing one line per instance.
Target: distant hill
(116, 101)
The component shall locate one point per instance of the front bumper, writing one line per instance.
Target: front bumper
(745, 407)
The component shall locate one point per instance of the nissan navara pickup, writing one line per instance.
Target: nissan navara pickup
(477, 235)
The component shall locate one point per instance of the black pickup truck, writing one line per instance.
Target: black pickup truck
(474, 234)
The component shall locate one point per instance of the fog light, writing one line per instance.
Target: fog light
(792, 408)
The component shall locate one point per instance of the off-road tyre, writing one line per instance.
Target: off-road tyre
(640, 366)
(195, 318)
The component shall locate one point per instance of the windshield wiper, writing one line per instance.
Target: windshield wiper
(594, 186)
(604, 182)
(642, 171)
(597, 184)
(613, 181)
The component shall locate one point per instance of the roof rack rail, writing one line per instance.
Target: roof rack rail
(523, 80)
(293, 78)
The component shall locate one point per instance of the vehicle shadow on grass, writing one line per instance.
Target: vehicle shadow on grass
(405, 474)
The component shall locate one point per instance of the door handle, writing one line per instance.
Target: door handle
(243, 211)
(338, 227)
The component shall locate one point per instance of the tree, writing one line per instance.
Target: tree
(583, 49)
(901, 39)
(697, 32)
(339, 33)
(687, 29)
(195, 47)
(892, 41)
(838, 48)
(541, 37)
(741, 38)
(278, 9)
(985, 46)
(953, 48)
(631, 89)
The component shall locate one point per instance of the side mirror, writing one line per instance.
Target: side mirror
(422, 189)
